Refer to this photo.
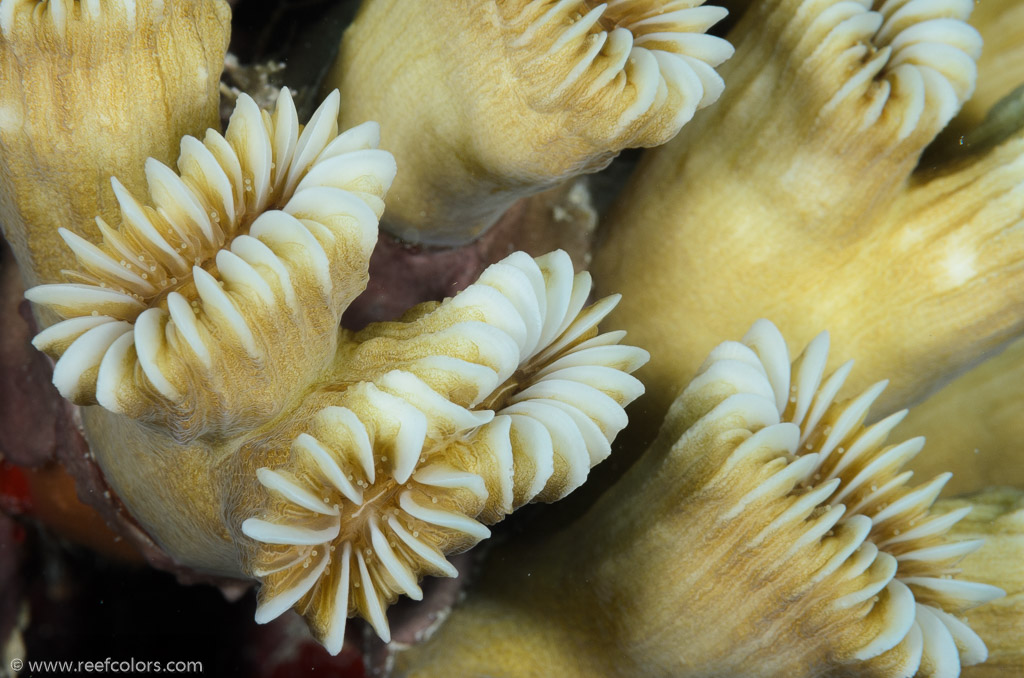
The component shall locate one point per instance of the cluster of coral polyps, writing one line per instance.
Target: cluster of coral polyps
(778, 536)
(360, 460)
(769, 530)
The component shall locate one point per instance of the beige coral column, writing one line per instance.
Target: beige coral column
(794, 199)
(975, 425)
(89, 90)
(485, 102)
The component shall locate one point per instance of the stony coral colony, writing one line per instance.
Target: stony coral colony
(769, 528)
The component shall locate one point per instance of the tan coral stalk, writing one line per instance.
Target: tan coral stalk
(188, 382)
(997, 516)
(982, 449)
(89, 90)
(767, 532)
(252, 437)
(974, 425)
(485, 102)
(796, 200)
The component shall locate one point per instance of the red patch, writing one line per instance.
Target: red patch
(15, 494)
(312, 658)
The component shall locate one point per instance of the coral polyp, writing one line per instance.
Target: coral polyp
(357, 525)
(778, 536)
(402, 470)
(257, 246)
(637, 70)
(558, 89)
(830, 107)
(341, 467)
(848, 473)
